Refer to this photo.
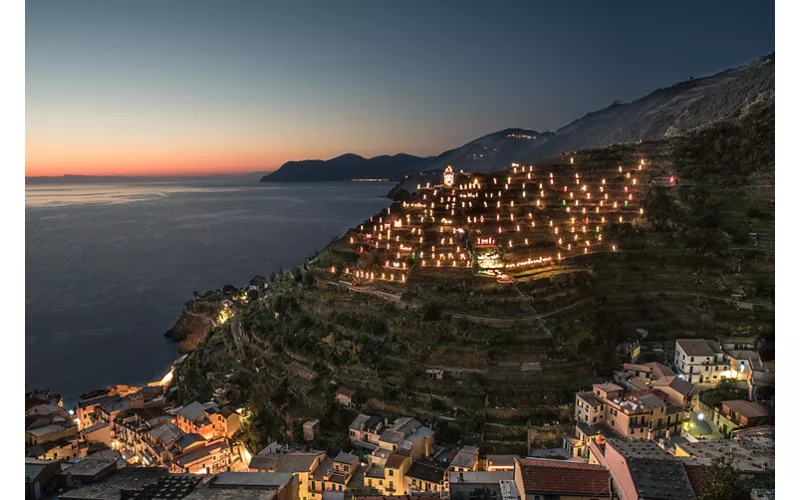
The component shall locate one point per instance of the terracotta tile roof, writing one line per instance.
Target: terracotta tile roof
(565, 478)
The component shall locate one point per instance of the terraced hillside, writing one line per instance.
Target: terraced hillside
(518, 285)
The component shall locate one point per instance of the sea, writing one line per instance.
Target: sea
(110, 264)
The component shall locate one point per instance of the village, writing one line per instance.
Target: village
(652, 430)
(656, 429)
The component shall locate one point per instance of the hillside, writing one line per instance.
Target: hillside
(517, 284)
(662, 114)
(345, 167)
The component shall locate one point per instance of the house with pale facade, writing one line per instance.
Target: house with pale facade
(700, 361)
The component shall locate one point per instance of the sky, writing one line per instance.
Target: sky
(186, 87)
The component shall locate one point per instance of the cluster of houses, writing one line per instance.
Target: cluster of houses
(123, 427)
(645, 434)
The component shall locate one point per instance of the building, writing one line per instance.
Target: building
(629, 351)
(449, 176)
(301, 464)
(426, 476)
(366, 429)
(332, 475)
(310, 430)
(742, 363)
(98, 433)
(467, 485)
(641, 469)
(496, 463)
(408, 434)
(87, 470)
(284, 486)
(387, 473)
(700, 361)
(545, 479)
(128, 482)
(344, 397)
(643, 414)
(465, 460)
(761, 379)
(753, 454)
(738, 413)
(51, 432)
(648, 371)
(40, 477)
(208, 420)
(677, 390)
(210, 459)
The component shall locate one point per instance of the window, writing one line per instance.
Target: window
(691, 360)
(612, 423)
(391, 472)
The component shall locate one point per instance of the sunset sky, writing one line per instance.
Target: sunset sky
(155, 87)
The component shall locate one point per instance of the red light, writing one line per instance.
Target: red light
(672, 180)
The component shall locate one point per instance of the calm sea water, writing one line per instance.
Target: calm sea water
(109, 266)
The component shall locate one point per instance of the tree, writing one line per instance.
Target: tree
(724, 482)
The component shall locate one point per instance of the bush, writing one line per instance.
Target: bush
(431, 311)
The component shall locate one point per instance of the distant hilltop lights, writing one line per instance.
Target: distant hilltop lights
(483, 222)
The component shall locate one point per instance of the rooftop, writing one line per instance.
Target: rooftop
(191, 457)
(296, 461)
(481, 477)
(95, 427)
(228, 494)
(753, 455)
(746, 408)
(129, 479)
(90, 466)
(607, 387)
(346, 458)
(344, 391)
(699, 347)
(501, 460)
(655, 472)
(597, 429)
(192, 411)
(48, 429)
(396, 460)
(426, 471)
(465, 458)
(744, 354)
(251, 479)
(591, 398)
(681, 386)
(650, 400)
(639, 448)
(658, 370)
(541, 475)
